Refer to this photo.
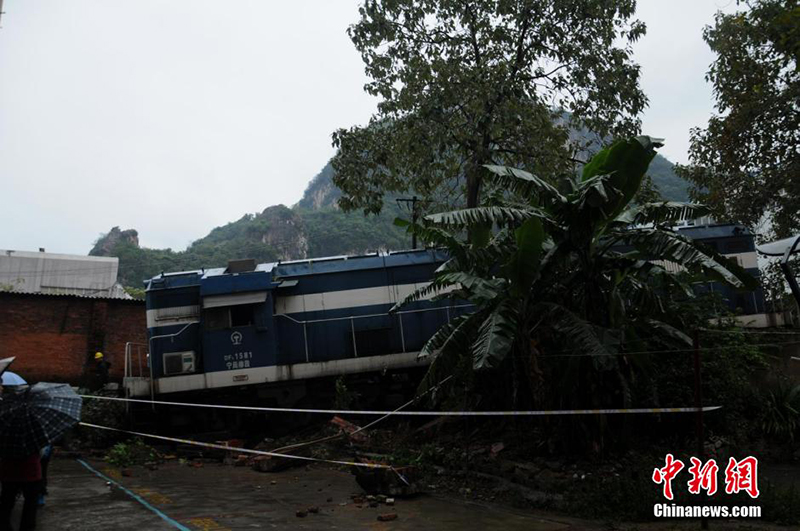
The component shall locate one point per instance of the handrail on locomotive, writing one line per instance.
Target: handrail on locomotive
(132, 348)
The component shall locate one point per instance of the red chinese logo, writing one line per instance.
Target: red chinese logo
(667, 474)
(740, 476)
(703, 478)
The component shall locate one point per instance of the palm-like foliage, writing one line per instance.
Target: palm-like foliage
(567, 281)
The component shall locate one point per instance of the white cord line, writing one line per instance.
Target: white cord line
(752, 332)
(234, 448)
(398, 412)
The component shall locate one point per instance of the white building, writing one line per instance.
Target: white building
(60, 274)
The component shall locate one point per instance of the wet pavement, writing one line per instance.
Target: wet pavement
(218, 498)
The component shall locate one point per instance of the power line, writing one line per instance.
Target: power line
(752, 332)
(671, 351)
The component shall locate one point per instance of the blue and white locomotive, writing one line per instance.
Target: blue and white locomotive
(283, 325)
(260, 324)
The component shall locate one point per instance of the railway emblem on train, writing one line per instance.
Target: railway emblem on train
(236, 338)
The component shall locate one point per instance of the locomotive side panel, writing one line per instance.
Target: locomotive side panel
(292, 321)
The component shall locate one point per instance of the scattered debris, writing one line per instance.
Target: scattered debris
(352, 430)
(496, 448)
(432, 424)
(269, 463)
(389, 482)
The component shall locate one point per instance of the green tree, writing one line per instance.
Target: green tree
(463, 83)
(745, 163)
(579, 269)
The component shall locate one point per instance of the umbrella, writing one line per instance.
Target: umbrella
(785, 248)
(5, 362)
(779, 247)
(12, 378)
(33, 419)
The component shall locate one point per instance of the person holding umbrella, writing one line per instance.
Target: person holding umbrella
(29, 421)
(20, 475)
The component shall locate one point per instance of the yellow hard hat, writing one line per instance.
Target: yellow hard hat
(98, 355)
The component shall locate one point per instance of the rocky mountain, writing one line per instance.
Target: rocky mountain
(315, 226)
(321, 192)
(105, 246)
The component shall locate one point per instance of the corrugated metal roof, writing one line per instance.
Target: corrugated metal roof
(60, 274)
(127, 298)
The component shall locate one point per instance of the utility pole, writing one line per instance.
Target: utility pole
(413, 202)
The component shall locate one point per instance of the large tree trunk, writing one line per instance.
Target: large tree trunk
(477, 235)
(473, 185)
(475, 171)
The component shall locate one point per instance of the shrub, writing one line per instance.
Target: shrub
(103, 413)
(781, 413)
(129, 453)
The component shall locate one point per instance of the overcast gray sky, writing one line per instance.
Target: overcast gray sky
(173, 117)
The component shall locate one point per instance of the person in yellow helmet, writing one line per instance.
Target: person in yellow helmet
(101, 367)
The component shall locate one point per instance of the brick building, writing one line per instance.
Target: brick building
(54, 337)
(57, 310)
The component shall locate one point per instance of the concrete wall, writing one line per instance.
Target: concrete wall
(54, 337)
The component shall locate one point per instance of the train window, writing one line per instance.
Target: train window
(242, 315)
(217, 318)
(230, 316)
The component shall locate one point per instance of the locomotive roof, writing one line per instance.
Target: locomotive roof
(707, 232)
(299, 268)
(336, 264)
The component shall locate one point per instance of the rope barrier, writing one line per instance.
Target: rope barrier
(752, 332)
(531, 413)
(671, 351)
(235, 448)
(371, 424)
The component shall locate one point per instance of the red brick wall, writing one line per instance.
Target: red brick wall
(55, 337)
